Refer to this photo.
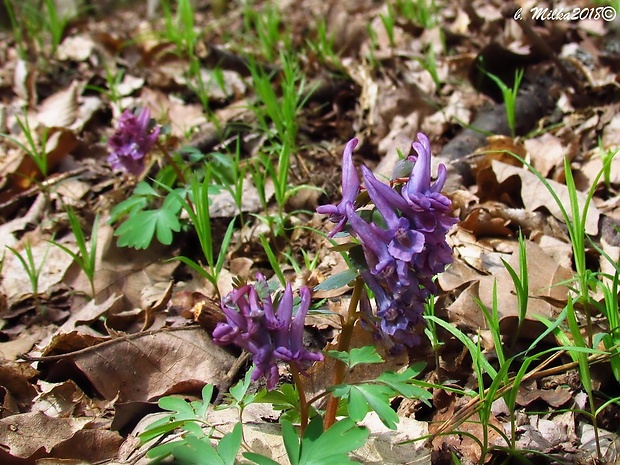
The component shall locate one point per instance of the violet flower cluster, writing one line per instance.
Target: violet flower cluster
(133, 139)
(268, 334)
(405, 245)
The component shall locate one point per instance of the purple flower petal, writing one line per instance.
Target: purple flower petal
(350, 190)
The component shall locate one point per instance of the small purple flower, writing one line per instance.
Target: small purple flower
(268, 334)
(350, 189)
(133, 139)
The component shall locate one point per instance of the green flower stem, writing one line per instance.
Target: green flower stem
(303, 403)
(172, 163)
(344, 344)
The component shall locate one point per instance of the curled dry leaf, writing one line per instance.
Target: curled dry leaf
(536, 195)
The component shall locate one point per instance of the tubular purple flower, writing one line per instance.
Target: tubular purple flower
(132, 140)
(380, 262)
(408, 248)
(350, 190)
(289, 345)
(420, 179)
(253, 325)
(403, 241)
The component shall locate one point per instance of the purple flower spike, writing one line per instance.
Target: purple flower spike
(253, 325)
(407, 248)
(350, 189)
(132, 140)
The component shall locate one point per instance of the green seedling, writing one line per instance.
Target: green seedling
(606, 156)
(312, 445)
(421, 12)
(32, 270)
(266, 24)
(278, 172)
(610, 309)
(33, 26)
(18, 33)
(55, 24)
(429, 63)
(309, 264)
(389, 21)
(228, 170)
(180, 28)
(521, 284)
(431, 330)
(579, 349)
(36, 151)
(195, 445)
(323, 45)
(575, 221)
(87, 256)
(281, 113)
(510, 97)
(273, 260)
(200, 217)
(374, 44)
(318, 447)
(113, 80)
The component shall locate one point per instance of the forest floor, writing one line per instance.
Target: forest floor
(78, 379)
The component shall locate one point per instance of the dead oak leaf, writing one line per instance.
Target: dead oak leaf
(535, 195)
(27, 434)
(152, 365)
(544, 276)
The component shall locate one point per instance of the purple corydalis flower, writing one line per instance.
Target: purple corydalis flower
(406, 247)
(268, 334)
(133, 139)
(350, 189)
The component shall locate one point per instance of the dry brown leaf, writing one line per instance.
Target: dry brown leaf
(16, 377)
(79, 47)
(60, 109)
(481, 222)
(16, 282)
(546, 152)
(554, 397)
(164, 362)
(59, 400)
(62, 343)
(465, 313)
(91, 312)
(124, 271)
(34, 435)
(544, 276)
(183, 117)
(24, 342)
(92, 445)
(536, 195)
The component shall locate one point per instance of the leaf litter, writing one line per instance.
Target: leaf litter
(87, 372)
